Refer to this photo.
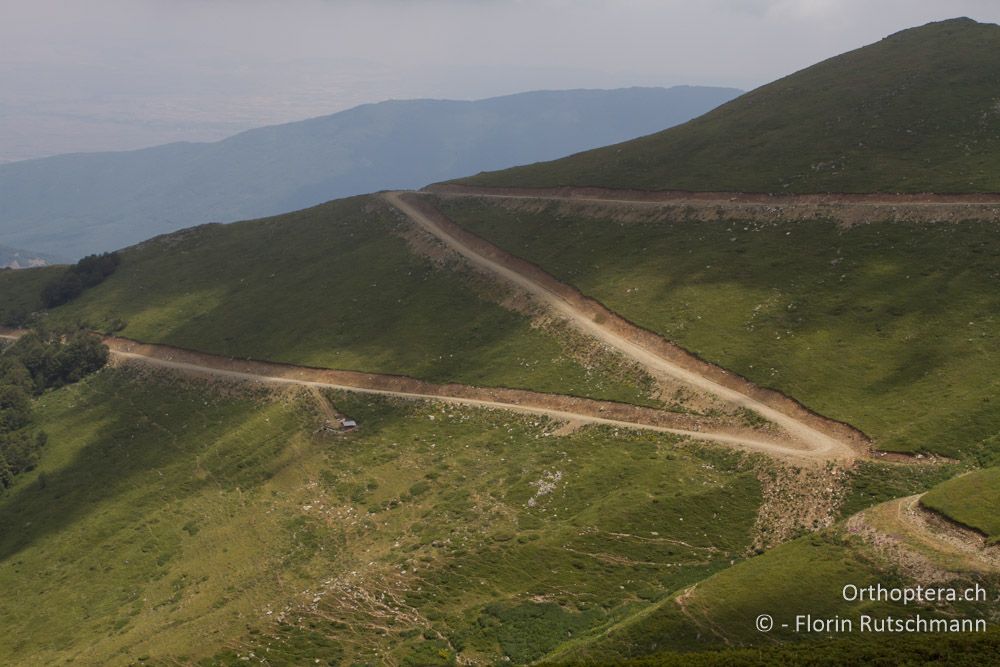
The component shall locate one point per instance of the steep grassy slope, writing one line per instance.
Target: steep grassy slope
(804, 578)
(909, 650)
(889, 326)
(74, 205)
(175, 521)
(333, 286)
(972, 500)
(915, 112)
(105, 535)
(873, 482)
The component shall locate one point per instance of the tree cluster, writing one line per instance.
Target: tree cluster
(88, 272)
(36, 362)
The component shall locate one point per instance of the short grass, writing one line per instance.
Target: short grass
(480, 538)
(891, 327)
(972, 500)
(333, 286)
(145, 517)
(914, 112)
(906, 650)
(801, 578)
(170, 521)
(873, 482)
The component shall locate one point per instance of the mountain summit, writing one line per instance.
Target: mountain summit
(918, 111)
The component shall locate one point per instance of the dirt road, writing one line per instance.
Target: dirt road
(818, 444)
(523, 402)
(844, 209)
(946, 546)
(743, 442)
(594, 194)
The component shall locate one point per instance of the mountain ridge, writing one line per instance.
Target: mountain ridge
(82, 203)
(918, 111)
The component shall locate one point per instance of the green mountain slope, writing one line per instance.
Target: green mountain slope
(802, 577)
(201, 522)
(972, 500)
(335, 286)
(917, 112)
(914, 650)
(797, 581)
(890, 326)
(803, 583)
(174, 521)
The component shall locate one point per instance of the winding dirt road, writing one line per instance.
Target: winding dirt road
(946, 546)
(559, 415)
(214, 366)
(587, 411)
(812, 438)
(816, 444)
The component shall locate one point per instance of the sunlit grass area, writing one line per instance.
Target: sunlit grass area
(972, 500)
(334, 286)
(892, 327)
(173, 520)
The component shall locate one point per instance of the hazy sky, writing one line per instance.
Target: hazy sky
(112, 74)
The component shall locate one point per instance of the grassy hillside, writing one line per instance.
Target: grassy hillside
(972, 500)
(909, 650)
(915, 112)
(805, 577)
(175, 521)
(332, 286)
(106, 535)
(889, 326)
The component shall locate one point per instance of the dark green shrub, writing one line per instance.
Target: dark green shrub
(88, 272)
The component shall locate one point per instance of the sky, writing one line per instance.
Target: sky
(117, 74)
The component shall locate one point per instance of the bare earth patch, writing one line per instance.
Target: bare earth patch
(825, 438)
(922, 543)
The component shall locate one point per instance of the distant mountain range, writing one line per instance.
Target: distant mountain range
(73, 205)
